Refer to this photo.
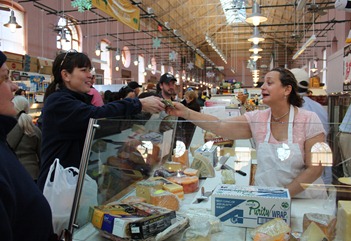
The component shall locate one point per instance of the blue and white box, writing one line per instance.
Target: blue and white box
(250, 206)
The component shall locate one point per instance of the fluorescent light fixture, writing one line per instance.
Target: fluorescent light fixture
(256, 17)
(214, 46)
(304, 46)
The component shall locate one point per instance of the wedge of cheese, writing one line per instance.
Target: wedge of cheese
(313, 233)
(274, 230)
(165, 199)
(325, 222)
(343, 226)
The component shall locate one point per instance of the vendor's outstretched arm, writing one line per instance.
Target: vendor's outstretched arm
(231, 128)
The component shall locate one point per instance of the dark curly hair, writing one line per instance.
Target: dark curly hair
(288, 78)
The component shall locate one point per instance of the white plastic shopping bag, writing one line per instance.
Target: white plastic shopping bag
(60, 193)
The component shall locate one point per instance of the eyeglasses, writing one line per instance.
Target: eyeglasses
(64, 58)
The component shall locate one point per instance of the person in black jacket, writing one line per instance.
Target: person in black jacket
(24, 212)
(190, 101)
(67, 110)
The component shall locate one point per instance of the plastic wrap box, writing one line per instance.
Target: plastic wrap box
(250, 206)
(136, 221)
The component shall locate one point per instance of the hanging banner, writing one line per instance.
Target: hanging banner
(199, 61)
(122, 10)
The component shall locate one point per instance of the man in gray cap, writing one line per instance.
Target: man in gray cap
(166, 86)
(302, 83)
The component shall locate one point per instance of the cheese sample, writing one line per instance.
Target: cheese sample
(325, 222)
(189, 184)
(313, 233)
(145, 187)
(170, 186)
(343, 226)
(276, 230)
(165, 199)
(191, 172)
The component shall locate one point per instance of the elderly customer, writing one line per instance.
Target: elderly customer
(25, 214)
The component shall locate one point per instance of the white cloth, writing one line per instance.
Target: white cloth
(279, 164)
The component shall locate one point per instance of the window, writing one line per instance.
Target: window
(12, 42)
(141, 69)
(105, 62)
(67, 35)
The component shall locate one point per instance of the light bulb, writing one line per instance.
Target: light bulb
(118, 55)
(117, 68)
(97, 52)
(12, 27)
(136, 62)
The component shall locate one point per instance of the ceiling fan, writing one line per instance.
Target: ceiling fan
(317, 9)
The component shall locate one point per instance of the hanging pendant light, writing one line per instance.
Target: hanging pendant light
(255, 49)
(98, 49)
(256, 37)
(314, 68)
(63, 39)
(255, 57)
(117, 67)
(118, 54)
(136, 62)
(12, 24)
(256, 17)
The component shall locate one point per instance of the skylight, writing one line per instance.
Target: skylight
(234, 10)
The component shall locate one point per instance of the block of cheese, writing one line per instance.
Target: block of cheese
(165, 199)
(191, 172)
(313, 233)
(171, 186)
(325, 222)
(274, 230)
(343, 226)
(204, 165)
(183, 159)
(189, 184)
(145, 187)
(173, 166)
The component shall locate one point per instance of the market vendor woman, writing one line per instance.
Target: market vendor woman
(284, 135)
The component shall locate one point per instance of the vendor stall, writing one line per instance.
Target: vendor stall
(120, 154)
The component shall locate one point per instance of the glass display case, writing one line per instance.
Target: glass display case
(118, 153)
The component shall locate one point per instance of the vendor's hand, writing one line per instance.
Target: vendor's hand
(152, 104)
(178, 109)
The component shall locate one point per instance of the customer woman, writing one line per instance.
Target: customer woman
(25, 138)
(24, 212)
(67, 110)
(284, 135)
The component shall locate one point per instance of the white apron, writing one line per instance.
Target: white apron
(279, 164)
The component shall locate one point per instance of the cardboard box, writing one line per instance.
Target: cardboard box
(250, 206)
(45, 66)
(14, 65)
(14, 57)
(136, 221)
(30, 64)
